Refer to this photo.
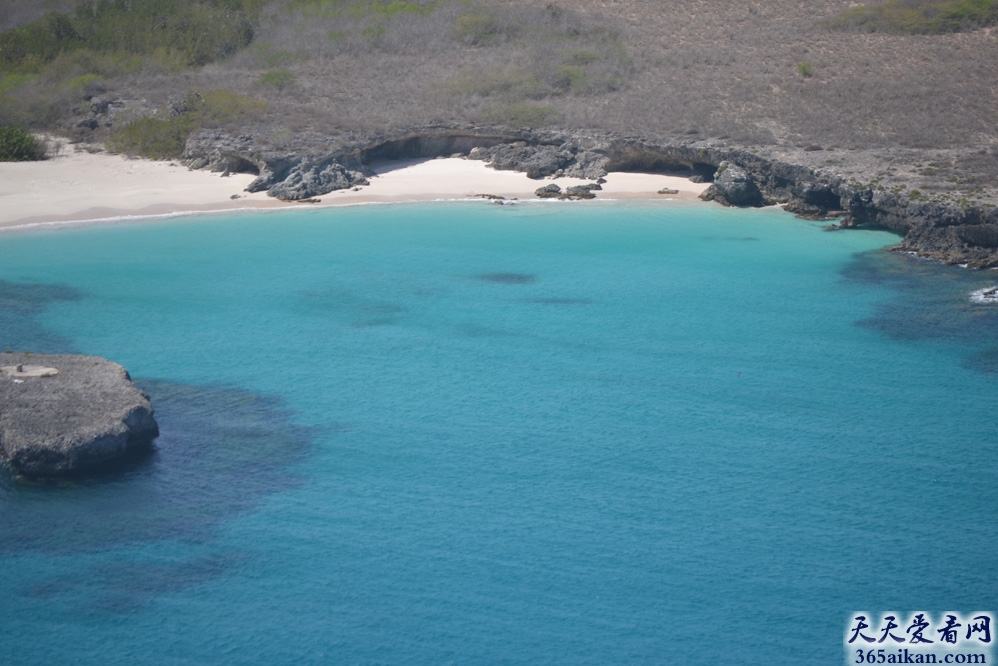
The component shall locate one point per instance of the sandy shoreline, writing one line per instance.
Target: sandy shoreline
(80, 186)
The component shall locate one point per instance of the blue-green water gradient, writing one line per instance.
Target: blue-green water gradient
(472, 434)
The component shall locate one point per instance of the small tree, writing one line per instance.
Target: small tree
(805, 69)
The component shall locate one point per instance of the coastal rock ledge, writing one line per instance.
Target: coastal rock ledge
(66, 415)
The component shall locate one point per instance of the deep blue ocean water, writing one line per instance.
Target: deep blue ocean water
(458, 433)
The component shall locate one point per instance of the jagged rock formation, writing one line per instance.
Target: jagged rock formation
(733, 187)
(218, 152)
(307, 180)
(962, 232)
(542, 161)
(75, 421)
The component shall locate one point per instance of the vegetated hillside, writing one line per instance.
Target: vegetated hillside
(18, 12)
(752, 72)
(919, 17)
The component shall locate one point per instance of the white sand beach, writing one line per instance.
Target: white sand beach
(81, 186)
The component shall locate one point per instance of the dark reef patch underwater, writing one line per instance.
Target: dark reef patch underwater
(219, 451)
(20, 305)
(931, 301)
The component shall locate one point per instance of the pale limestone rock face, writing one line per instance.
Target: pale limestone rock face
(79, 418)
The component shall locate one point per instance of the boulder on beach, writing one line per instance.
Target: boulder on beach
(551, 191)
(733, 187)
(63, 415)
(581, 191)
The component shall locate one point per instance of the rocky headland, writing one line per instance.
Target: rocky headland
(68, 415)
(885, 189)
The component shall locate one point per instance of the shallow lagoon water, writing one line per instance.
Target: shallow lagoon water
(472, 434)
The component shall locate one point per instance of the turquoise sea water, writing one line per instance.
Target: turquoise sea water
(470, 434)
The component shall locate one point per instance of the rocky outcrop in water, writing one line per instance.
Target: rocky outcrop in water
(63, 415)
(954, 231)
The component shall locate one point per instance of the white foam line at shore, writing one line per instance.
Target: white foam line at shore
(126, 218)
(195, 213)
(59, 224)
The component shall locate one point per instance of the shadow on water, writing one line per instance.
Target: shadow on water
(931, 301)
(20, 305)
(558, 301)
(507, 278)
(350, 309)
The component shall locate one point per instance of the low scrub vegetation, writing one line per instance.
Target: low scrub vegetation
(18, 145)
(419, 62)
(49, 64)
(279, 79)
(164, 136)
(753, 72)
(522, 115)
(194, 32)
(919, 16)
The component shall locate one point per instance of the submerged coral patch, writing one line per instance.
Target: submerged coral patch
(930, 301)
(20, 304)
(219, 452)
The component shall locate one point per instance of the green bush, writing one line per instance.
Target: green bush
(18, 145)
(805, 69)
(155, 138)
(919, 16)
